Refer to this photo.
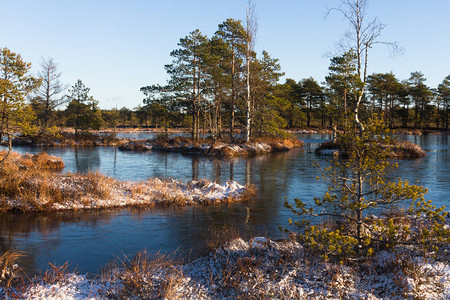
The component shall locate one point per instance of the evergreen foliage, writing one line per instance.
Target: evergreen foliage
(82, 111)
(15, 84)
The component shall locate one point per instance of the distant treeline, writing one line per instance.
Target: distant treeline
(220, 85)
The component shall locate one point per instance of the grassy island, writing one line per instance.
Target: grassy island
(214, 148)
(33, 183)
(397, 149)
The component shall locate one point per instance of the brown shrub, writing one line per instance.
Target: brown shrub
(55, 274)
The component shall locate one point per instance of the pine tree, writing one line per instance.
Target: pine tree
(360, 192)
(444, 94)
(233, 34)
(15, 85)
(344, 83)
(82, 111)
(187, 75)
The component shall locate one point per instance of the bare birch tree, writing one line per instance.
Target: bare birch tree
(361, 37)
(251, 28)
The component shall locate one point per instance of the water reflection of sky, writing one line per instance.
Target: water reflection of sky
(90, 239)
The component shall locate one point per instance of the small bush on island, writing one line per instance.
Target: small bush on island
(359, 196)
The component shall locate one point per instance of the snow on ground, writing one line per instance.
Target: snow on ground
(71, 286)
(261, 269)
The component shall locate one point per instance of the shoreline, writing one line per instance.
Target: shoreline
(258, 267)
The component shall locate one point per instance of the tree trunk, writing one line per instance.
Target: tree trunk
(233, 96)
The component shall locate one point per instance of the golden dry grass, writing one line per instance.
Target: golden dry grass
(149, 276)
(67, 139)
(221, 235)
(30, 179)
(9, 270)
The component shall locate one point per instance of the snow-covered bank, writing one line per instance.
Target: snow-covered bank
(94, 191)
(260, 269)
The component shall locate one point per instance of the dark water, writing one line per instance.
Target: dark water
(90, 239)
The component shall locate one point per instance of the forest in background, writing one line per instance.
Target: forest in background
(219, 85)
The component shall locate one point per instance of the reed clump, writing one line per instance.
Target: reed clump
(148, 277)
(405, 149)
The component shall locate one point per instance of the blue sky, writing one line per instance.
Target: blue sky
(116, 47)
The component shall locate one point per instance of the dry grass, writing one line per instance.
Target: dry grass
(149, 277)
(9, 269)
(221, 235)
(55, 274)
(98, 185)
(255, 269)
(64, 139)
(414, 277)
(28, 178)
(47, 162)
(280, 143)
(405, 149)
(32, 180)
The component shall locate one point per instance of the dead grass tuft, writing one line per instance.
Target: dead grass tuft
(250, 192)
(55, 273)
(399, 149)
(9, 268)
(415, 278)
(221, 235)
(149, 277)
(30, 183)
(48, 162)
(99, 185)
